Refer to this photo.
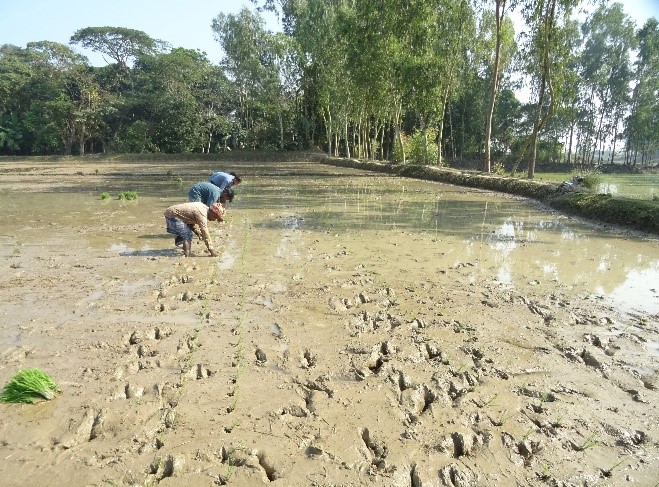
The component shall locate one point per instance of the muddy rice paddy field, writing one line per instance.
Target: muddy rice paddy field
(357, 329)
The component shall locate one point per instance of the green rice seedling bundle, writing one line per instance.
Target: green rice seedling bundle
(29, 385)
(127, 195)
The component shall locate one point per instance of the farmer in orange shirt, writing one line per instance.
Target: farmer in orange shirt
(187, 218)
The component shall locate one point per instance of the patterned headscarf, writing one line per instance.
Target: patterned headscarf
(218, 209)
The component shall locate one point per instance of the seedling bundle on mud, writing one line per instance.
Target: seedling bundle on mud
(29, 386)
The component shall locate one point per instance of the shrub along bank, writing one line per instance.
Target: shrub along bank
(630, 213)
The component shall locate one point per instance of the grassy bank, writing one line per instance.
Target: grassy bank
(630, 213)
(637, 186)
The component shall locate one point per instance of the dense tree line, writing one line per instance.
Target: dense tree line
(424, 82)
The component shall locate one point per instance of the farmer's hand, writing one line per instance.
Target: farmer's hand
(214, 253)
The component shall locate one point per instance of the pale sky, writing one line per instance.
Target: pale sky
(182, 23)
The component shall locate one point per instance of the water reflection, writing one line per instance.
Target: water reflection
(607, 188)
(639, 291)
(510, 242)
(555, 252)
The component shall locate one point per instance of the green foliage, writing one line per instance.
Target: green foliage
(344, 77)
(397, 156)
(420, 148)
(641, 133)
(135, 137)
(29, 386)
(118, 43)
(592, 180)
(11, 133)
(127, 195)
(105, 195)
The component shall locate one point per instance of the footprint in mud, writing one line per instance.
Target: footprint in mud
(376, 450)
(252, 460)
(87, 429)
(371, 361)
(418, 401)
(126, 370)
(131, 391)
(521, 452)
(139, 336)
(365, 322)
(309, 359)
(313, 391)
(431, 352)
(452, 387)
(187, 345)
(454, 475)
(459, 444)
(170, 466)
(198, 372)
(261, 357)
(387, 299)
(277, 331)
(267, 466)
(145, 351)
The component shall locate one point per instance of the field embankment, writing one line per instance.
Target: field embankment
(629, 213)
(634, 214)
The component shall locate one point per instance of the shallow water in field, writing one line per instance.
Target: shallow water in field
(507, 241)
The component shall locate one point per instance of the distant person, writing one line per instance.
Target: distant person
(208, 193)
(225, 180)
(187, 218)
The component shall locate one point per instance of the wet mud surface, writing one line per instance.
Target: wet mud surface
(357, 329)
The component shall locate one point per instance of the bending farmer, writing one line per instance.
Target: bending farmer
(208, 193)
(187, 218)
(224, 180)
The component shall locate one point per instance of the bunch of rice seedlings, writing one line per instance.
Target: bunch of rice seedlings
(29, 385)
(127, 195)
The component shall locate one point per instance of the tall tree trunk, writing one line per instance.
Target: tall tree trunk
(598, 139)
(440, 128)
(545, 84)
(328, 129)
(398, 134)
(569, 151)
(613, 147)
(499, 15)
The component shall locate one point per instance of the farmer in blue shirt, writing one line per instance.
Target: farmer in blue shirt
(224, 180)
(205, 193)
(208, 193)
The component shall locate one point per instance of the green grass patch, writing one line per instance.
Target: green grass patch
(29, 386)
(642, 215)
(105, 195)
(127, 195)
